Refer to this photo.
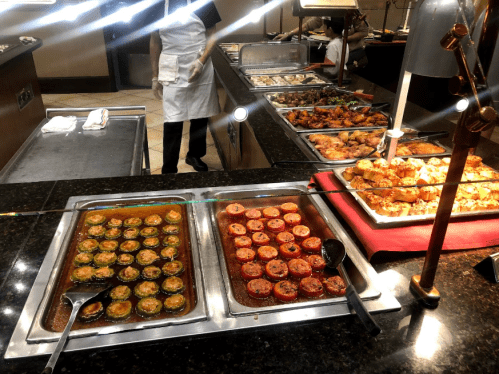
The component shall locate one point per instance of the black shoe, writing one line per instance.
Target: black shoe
(196, 163)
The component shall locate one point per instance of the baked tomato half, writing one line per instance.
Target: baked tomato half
(335, 285)
(236, 229)
(290, 250)
(299, 268)
(286, 290)
(292, 219)
(301, 232)
(276, 269)
(245, 255)
(260, 238)
(254, 225)
(317, 262)
(312, 244)
(259, 288)
(235, 210)
(253, 214)
(289, 208)
(311, 287)
(276, 225)
(267, 253)
(251, 270)
(271, 213)
(242, 242)
(284, 237)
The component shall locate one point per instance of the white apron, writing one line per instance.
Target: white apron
(185, 40)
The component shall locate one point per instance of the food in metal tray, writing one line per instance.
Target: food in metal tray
(336, 118)
(355, 144)
(312, 97)
(134, 276)
(285, 80)
(394, 200)
(268, 256)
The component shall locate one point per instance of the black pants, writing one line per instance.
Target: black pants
(172, 137)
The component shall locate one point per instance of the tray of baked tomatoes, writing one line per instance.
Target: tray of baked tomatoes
(270, 252)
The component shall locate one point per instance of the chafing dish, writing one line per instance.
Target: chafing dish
(212, 313)
(387, 221)
(282, 114)
(311, 145)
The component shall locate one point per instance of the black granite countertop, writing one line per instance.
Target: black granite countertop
(459, 336)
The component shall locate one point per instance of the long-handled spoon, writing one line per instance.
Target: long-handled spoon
(78, 295)
(334, 253)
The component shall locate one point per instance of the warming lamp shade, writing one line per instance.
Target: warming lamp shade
(431, 20)
(323, 8)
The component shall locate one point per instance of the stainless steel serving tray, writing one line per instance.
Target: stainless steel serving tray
(305, 137)
(282, 114)
(214, 313)
(366, 289)
(39, 333)
(268, 95)
(399, 221)
(251, 85)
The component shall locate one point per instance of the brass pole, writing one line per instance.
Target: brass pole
(300, 28)
(280, 19)
(344, 49)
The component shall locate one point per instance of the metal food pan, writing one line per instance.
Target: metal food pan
(282, 114)
(268, 95)
(250, 84)
(305, 137)
(398, 221)
(41, 330)
(320, 221)
(212, 310)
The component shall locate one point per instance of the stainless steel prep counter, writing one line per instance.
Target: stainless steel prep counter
(117, 150)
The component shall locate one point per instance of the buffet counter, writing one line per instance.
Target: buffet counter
(459, 336)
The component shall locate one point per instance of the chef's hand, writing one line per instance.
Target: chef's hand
(284, 36)
(195, 70)
(157, 89)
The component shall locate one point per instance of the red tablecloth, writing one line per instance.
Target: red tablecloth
(472, 233)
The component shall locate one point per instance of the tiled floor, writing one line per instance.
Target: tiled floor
(154, 121)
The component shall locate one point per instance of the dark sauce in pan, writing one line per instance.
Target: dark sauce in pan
(60, 309)
(310, 217)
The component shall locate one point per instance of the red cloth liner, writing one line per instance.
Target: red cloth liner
(479, 233)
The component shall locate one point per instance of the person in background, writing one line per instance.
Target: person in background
(183, 77)
(356, 34)
(334, 31)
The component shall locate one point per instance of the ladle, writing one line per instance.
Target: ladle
(77, 295)
(334, 253)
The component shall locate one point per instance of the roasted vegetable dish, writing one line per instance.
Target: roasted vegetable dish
(311, 98)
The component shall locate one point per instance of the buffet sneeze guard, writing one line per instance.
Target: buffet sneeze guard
(213, 312)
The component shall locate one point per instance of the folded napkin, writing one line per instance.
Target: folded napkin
(465, 233)
(60, 124)
(96, 120)
(168, 69)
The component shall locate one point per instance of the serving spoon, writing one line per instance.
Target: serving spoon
(77, 295)
(334, 253)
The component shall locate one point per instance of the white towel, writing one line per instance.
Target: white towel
(97, 119)
(168, 69)
(60, 124)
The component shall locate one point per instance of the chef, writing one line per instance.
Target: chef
(183, 77)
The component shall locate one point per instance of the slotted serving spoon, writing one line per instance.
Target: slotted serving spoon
(334, 253)
(77, 295)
